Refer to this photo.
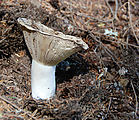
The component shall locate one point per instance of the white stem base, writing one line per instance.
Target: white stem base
(42, 81)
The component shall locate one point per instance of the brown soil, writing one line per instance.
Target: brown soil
(101, 83)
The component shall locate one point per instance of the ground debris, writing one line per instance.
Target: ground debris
(98, 84)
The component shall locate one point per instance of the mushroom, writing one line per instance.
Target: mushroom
(47, 48)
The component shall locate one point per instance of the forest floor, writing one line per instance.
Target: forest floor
(101, 83)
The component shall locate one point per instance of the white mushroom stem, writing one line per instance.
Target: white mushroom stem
(42, 80)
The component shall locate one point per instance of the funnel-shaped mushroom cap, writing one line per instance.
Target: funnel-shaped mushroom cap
(47, 46)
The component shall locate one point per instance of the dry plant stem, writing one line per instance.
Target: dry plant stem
(93, 18)
(34, 113)
(123, 5)
(98, 56)
(127, 39)
(135, 23)
(114, 14)
(84, 15)
(15, 106)
(111, 55)
(117, 42)
(106, 1)
(120, 3)
(108, 107)
(105, 48)
(135, 98)
(130, 21)
(116, 9)
(12, 115)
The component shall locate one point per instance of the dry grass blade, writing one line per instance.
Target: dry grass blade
(109, 107)
(130, 21)
(106, 49)
(16, 107)
(135, 98)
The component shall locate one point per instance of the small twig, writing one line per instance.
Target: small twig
(117, 42)
(120, 3)
(135, 98)
(93, 18)
(16, 107)
(123, 43)
(98, 56)
(106, 1)
(24, 65)
(130, 21)
(11, 115)
(127, 39)
(111, 55)
(116, 9)
(135, 23)
(2, 98)
(108, 107)
(106, 49)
